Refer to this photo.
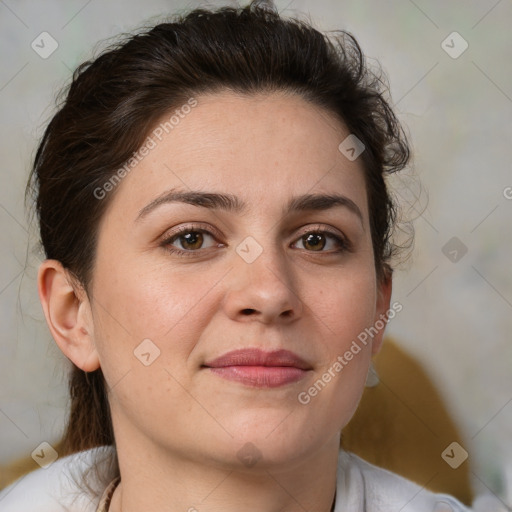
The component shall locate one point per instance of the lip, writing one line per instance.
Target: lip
(257, 368)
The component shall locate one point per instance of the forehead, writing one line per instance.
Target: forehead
(262, 147)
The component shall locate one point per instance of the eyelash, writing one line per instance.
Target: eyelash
(343, 244)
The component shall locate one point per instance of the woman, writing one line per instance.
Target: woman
(217, 226)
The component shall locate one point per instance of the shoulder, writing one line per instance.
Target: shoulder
(63, 486)
(377, 489)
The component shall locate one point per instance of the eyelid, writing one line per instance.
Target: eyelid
(315, 228)
(192, 226)
(344, 241)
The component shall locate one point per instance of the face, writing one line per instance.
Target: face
(179, 282)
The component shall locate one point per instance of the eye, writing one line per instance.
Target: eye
(317, 241)
(189, 240)
(193, 240)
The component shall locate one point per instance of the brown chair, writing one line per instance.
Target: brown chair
(403, 425)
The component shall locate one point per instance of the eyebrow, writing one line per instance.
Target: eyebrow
(231, 203)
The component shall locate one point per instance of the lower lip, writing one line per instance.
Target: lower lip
(261, 376)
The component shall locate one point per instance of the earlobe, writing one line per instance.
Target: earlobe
(385, 288)
(67, 311)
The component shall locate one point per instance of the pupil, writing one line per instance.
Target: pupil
(194, 238)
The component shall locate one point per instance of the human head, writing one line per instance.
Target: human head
(117, 100)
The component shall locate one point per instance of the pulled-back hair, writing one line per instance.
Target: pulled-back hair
(115, 100)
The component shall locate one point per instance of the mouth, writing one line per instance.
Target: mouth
(257, 368)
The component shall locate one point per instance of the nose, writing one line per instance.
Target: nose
(263, 290)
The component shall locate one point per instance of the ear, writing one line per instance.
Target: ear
(384, 289)
(68, 314)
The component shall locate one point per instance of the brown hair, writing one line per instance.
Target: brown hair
(114, 101)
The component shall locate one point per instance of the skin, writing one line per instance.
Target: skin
(179, 427)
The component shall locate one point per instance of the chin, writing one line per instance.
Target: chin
(272, 444)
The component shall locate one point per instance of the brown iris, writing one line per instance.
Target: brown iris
(192, 240)
(315, 241)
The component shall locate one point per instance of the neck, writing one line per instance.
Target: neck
(170, 483)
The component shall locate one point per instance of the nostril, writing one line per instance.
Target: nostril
(248, 311)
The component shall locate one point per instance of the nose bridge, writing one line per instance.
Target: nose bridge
(270, 268)
(263, 282)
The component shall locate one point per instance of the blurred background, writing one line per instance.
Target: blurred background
(450, 71)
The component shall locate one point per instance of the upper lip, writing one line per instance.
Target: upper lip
(258, 357)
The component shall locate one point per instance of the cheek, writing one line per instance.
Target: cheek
(344, 311)
(136, 303)
(346, 305)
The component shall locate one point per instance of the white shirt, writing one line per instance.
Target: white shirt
(360, 487)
